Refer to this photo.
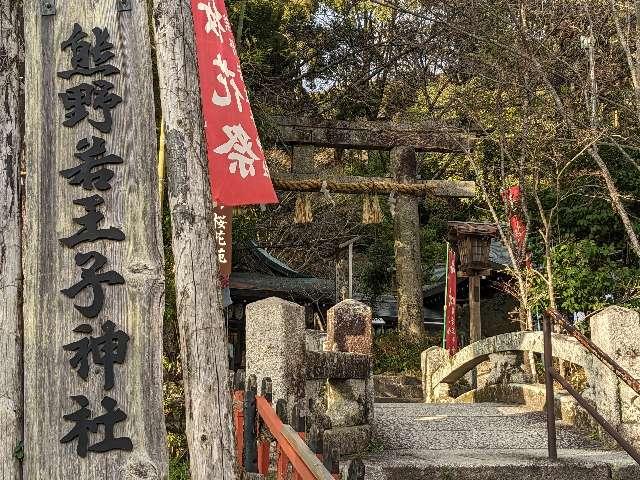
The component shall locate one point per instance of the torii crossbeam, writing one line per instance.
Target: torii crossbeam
(426, 136)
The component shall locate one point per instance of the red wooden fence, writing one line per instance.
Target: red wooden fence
(253, 441)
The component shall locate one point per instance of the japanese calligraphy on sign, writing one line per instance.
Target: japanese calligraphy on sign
(223, 223)
(92, 98)
(237, 168)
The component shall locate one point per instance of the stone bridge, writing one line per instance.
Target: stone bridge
(439, 370)
(615, 330)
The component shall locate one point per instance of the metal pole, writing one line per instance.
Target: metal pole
(548, 377)
(633, 453)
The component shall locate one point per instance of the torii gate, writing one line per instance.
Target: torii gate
(403, 141)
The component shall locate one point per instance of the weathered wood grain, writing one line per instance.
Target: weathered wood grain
(369, 135)
(131, 205)
(201, 322)
(11, 96)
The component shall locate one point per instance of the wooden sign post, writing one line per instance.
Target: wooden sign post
(223, 226)
(10, 238)
(203, 339)
(93, 275)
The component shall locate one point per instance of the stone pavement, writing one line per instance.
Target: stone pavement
(483, 442)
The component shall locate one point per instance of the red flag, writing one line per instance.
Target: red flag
(237, 168)
(451, 330)
(513, 198)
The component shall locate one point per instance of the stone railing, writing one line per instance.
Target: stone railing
(615, 330)
(325, 375)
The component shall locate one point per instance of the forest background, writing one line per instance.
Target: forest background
(552, 87)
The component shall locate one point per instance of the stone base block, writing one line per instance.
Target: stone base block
(348, 440)
(398, 387)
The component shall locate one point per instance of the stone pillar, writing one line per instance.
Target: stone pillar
(350, 403)
(431, 360)
(303, 161)
(616, 330)
(275, 346)
(349, 328)
(406, 227)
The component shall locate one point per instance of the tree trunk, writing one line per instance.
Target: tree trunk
(243, 10)
(616, 201)
(203, 340)
(11, 111)
(131, 205)
(593, 151)
(407, 247)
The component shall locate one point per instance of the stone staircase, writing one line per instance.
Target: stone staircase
(483, 442)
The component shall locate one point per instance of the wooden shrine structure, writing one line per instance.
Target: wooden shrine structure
(403, 140)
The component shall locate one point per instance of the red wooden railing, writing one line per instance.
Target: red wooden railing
(257, 425)
(291, 448)
(238, 421)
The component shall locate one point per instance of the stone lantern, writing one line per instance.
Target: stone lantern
(473, 243)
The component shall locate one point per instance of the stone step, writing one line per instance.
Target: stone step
(500, 464)
(473, 426)
(483, 442)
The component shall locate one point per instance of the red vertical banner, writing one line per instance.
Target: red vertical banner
(237, 168)
(451, 329)
(513, 199)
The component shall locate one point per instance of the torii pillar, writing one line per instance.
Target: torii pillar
(406, 229)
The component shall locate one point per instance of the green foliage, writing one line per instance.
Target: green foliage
(244, 231)
(18, 452)
(393, 353)
(588, 276)
(178, 469)
(173, 392)
(174, 412)
(376, 274)
(274, 40)
(375, 445)
(587, 214)
(433, 248)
